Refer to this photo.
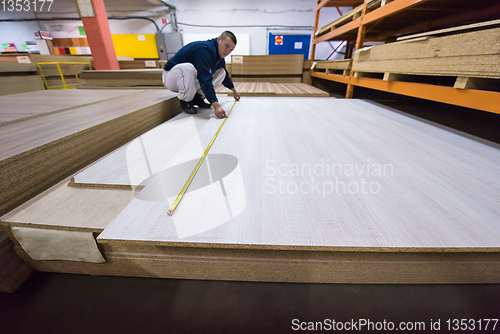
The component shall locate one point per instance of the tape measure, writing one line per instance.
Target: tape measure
(195, 170)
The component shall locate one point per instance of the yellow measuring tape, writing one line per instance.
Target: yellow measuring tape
(195, 170)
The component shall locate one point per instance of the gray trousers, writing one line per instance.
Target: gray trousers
(182, 79)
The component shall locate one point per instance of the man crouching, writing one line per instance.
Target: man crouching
(195, 71)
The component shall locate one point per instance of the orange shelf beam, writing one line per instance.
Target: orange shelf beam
(469, 98)
(322, 4)
(331, 77)
(391, 8)
(379, 13)
(353, 25)
(338, 3)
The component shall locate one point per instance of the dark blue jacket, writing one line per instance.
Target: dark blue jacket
(204, 55)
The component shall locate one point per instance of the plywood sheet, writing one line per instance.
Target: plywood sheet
(75, 209)
(273, 89)
(39, 152)
(267, 65)
(342, 64)
(22, 136)
(336, 174)
(17, 67)
(20, 107)
(20, 84)
(13, 270)
(130, 165)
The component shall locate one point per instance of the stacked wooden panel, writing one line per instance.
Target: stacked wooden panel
(137, 64)
(471, 54)
(49, 135)
(271, 68)
(41, 148)
(19, 78)
(122, 78)
(13, 270)
(273, 89)
(426, 221)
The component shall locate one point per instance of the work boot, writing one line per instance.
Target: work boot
(188, 107)
(200, 101)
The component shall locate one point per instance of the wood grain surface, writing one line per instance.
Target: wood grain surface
(433, 220)
(20, 107)
(37, 152)
(273, 89)
(427, 189)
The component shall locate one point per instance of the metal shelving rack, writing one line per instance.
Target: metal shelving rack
(403, 17)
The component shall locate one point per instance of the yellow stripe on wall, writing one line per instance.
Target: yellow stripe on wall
(135, 45)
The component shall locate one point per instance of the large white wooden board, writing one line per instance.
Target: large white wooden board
(352, 174)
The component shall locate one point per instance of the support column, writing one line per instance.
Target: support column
(99, 37)
(359, 44)
(313, 49)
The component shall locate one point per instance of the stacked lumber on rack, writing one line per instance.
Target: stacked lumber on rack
(41, 148)
(121, 78)
(272, 68)
(466, 55)
(19, 78)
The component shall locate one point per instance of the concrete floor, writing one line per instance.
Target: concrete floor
(64, 303)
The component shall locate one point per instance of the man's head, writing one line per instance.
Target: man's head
(226, 43)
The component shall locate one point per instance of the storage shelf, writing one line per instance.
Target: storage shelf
(400, 18)
(470, 98)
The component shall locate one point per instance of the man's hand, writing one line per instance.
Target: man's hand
(236, 95)
(219, 112)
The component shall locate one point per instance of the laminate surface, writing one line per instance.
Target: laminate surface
(37, 152)
(62, 206)
(23, 136)
(23, 106)
(298, 173)
(273, 89)
(122, 168)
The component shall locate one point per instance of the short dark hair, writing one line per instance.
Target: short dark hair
(227, 34)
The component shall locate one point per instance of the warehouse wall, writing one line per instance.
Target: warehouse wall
(254, 17)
